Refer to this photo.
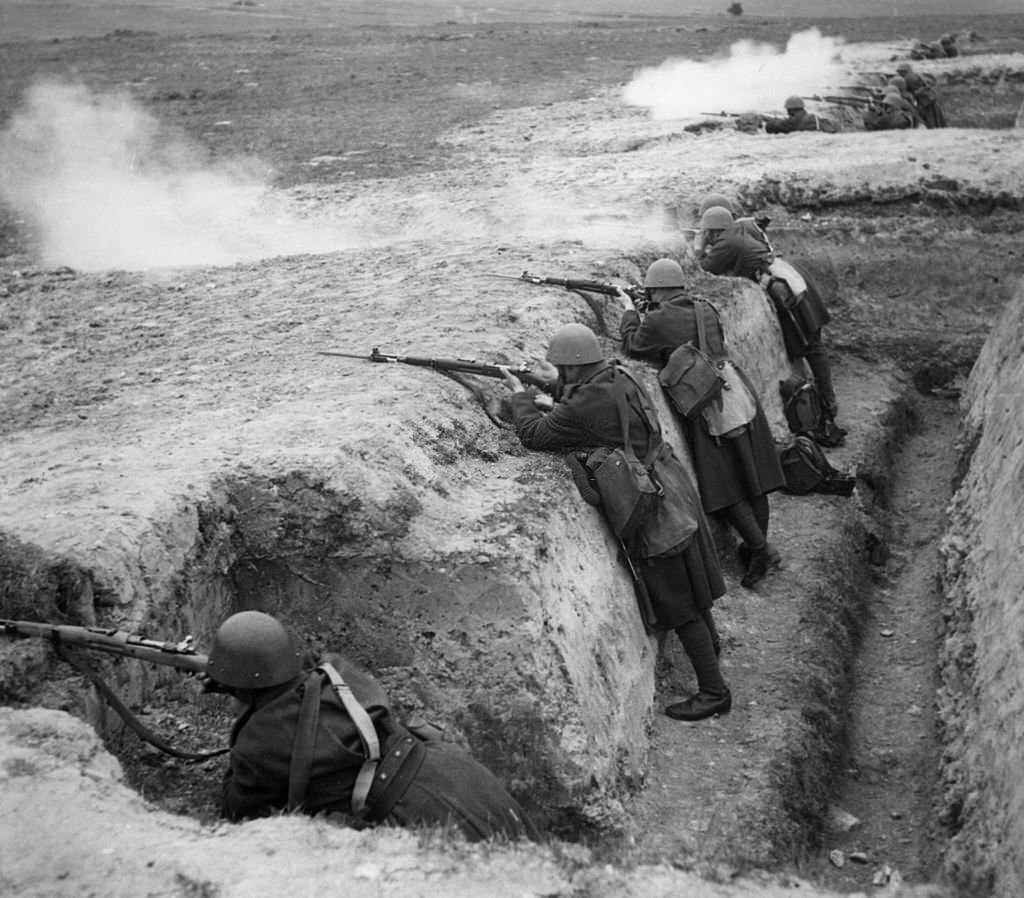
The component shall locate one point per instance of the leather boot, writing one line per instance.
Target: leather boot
(700, 706)
(761, 562)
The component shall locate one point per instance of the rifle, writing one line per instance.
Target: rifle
(181, 655)
(580, 287)
(724, 114)
(864, 88)
(854, 102)
(450, 367)
(575, 284)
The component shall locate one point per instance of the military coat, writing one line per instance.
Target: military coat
(448, 788)
(685, 577)
(728, 469)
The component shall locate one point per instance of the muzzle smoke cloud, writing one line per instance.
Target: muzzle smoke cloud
(752, 78)
(103, 186)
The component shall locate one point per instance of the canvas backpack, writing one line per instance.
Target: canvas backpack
(807, 469)
(801, 405)
(690, 377)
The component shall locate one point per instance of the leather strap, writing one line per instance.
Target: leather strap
(131, 721)
(305, 739)
(367, 735)
(301, 768)
(398, 768)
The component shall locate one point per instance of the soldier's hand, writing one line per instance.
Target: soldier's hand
(544, 402)
(545, 371)
(511, 381)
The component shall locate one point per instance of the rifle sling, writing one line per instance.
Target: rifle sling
(131, 721)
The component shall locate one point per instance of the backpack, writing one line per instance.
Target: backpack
(802, 405)
(807, 470)
(690, 377)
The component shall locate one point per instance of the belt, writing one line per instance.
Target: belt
(400, 762)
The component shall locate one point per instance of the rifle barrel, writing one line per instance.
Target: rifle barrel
(113, 642)
(462, 366)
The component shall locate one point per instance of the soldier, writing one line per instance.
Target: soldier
(889, 115)
(797, 119)
(673, 549)
(325, 740)
(922, 93)
(734, 473)
(740, 248)
(897, 86)
(948, 44)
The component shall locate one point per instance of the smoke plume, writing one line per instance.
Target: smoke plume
(752, 78)
(101, 185)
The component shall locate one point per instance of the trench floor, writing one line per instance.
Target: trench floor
(889, 770)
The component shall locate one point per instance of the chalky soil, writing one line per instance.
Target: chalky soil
(883, 826)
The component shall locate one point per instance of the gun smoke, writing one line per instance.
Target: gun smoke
(100, 183)
(754, 77)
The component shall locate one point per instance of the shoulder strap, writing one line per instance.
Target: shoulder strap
(702, 332)
(305, 739)
(647, 413)
(703, 344)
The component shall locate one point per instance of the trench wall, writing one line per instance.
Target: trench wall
(982, 695)
(425, 542)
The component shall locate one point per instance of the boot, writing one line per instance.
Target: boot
(700, 706)
(761, 562)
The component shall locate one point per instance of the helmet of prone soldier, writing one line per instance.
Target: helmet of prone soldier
(717, 218)
(897, 81)
(794, 102)
(947, 39)
(574, 344)
(714, 199)
(904, 68)
(664, 273)
(252, 650)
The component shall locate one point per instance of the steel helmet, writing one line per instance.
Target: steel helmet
(717, 218)
(664, 273)
(903, 68)
(794, 102)
(947, 39)
(252, 650)
(574, 344)
(897, 81)
(714, 199)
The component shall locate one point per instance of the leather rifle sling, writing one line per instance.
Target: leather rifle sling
(305, 739)
(133, 723)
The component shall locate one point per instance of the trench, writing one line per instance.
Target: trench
(882, 827)
(887, 756)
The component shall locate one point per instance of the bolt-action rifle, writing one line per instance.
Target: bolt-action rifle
(575, 284)
(447, 366)
(181, 655)
(853, 102)
(582, 288)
